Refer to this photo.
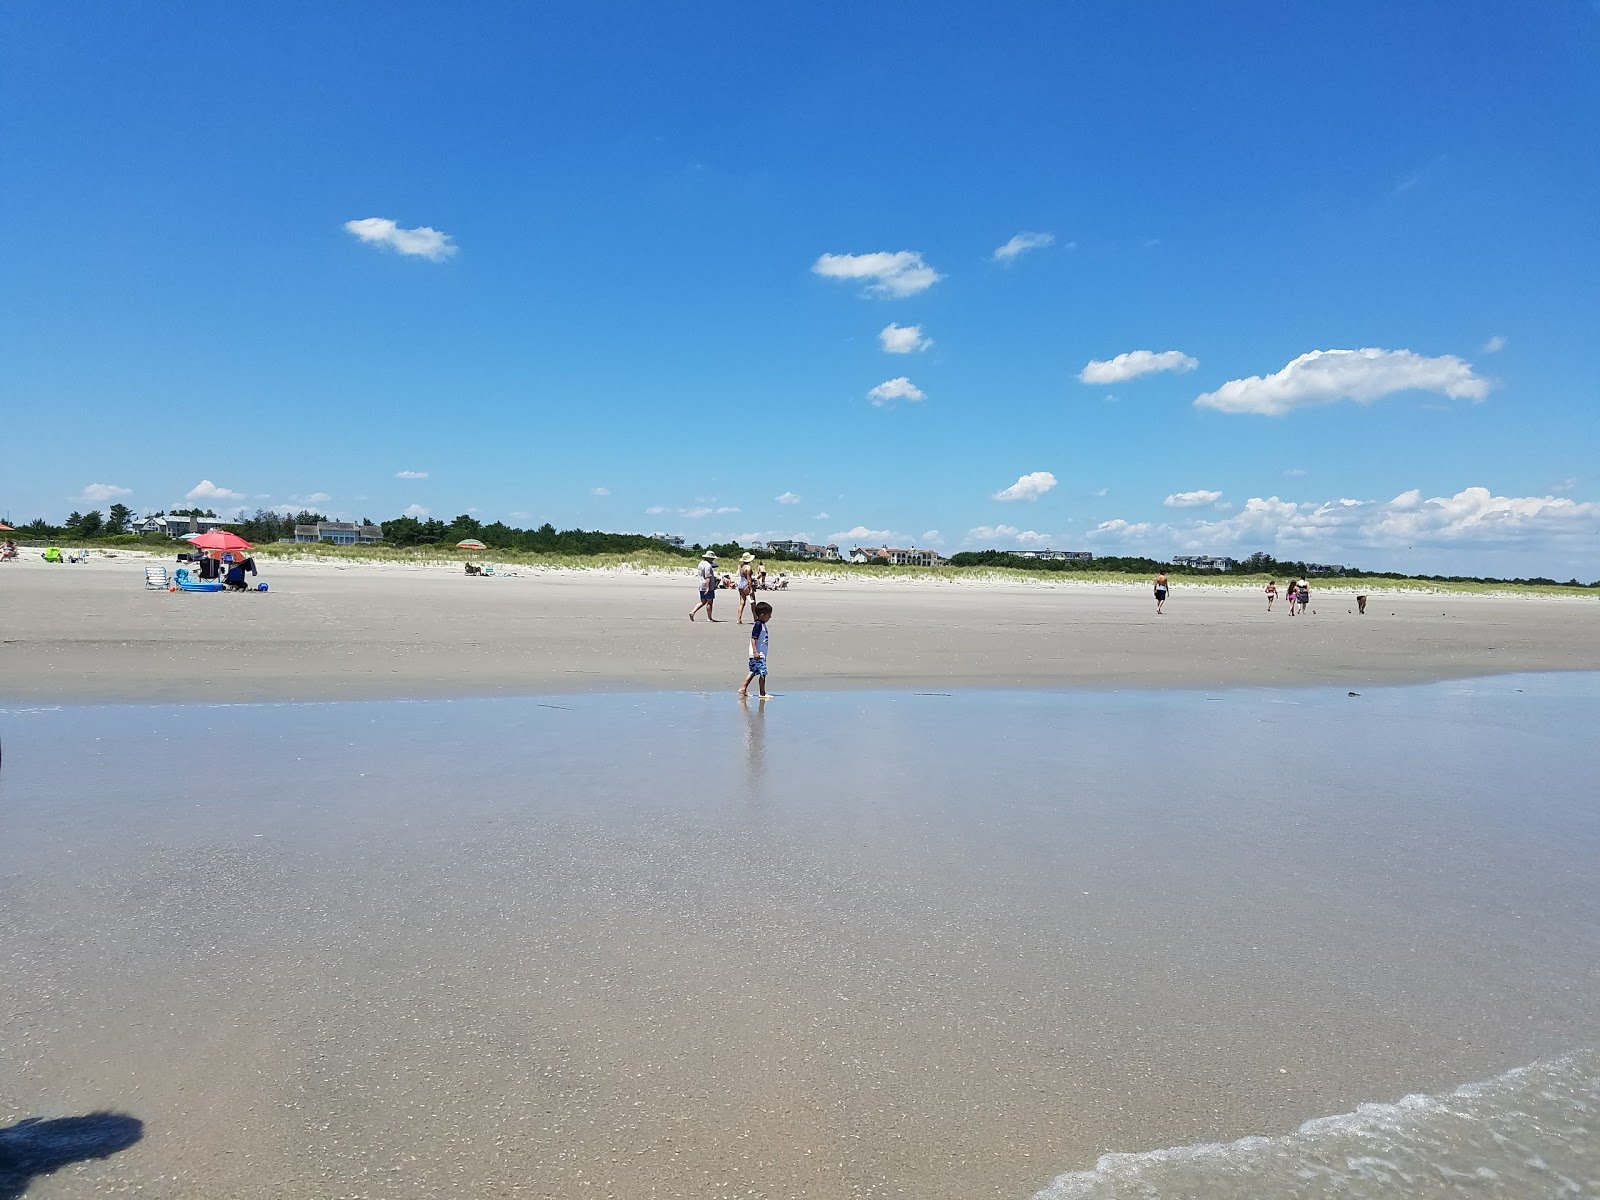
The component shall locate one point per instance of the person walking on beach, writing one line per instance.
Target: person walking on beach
(1161, 591)
(1305, 595)
(1272, 593)
(708, 585)
(747, 581)
(758, 648)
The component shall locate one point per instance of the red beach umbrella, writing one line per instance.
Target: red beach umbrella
(471, 544)
(220, 539)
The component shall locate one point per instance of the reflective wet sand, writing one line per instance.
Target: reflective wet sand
(852, 945)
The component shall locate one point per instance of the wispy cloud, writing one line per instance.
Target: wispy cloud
(99, 493)
(1006, 537)
(1192, 499)
(207, 492)
(655, 510)
(1021, 244)
(891, 390)
(903, 339)
(932, 537)
(694, 514)
(787, 498)
(1118, 528)
(1029, 487)
(600, 491)
(313, 498)
(1134, 364)
(410, 474)
(1327, 376)
(421, 242)
(889, 275)
(1494, 345)
(1294, 472)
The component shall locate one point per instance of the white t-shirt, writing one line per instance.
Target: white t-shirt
(708, 574)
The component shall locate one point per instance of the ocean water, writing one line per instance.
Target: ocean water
(1121, 944)
(1531, 1132)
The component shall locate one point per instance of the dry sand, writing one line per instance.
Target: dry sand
(333, 631)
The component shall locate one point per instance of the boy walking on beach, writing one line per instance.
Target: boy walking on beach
(758, 648)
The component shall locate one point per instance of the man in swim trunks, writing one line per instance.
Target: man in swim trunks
(1161, 591)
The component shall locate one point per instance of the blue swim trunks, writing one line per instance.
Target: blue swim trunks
(758, 666)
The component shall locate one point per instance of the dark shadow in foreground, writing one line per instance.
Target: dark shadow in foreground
(37, 1147)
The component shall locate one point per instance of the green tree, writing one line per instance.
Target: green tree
(117, 519)
(89, 524)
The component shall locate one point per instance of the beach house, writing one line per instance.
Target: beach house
(898, 558)
(1204, 562)
(175, 526)
(339, 533)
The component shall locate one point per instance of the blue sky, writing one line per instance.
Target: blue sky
(641, 267)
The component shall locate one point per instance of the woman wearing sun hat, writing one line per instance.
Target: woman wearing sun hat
(708, 585)
(747, 581)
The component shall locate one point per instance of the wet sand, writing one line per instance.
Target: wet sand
(850, 945)
(90, 633)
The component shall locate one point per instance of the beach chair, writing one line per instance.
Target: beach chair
(156, 578)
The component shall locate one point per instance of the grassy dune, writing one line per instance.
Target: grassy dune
(660, 560)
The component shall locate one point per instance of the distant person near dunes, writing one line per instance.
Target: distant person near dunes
(1161, 592)
(1272, 593)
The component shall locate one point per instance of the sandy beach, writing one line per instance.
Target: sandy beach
(329, 631)
(1015, 876)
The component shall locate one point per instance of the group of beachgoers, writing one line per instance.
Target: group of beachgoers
(752, 577)
(1297, 592)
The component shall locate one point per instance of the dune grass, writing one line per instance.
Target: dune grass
(663, 560)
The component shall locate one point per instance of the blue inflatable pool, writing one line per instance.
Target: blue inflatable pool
(188, 583)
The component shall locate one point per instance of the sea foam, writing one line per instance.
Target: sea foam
(1532, 1132)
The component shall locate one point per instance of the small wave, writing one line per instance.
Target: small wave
(1532, 1132)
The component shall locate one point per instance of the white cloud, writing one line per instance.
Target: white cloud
(600, 491)
(1030, 487)
(1021, 244)
(1118, 528)
(933, 538)
(1326, 376)
(1473, 519)
(903, 339)
(99, 493)
(421, 242)
(1102, 491)
(998, 537)
(209, 492)
(1295, 472)
(787, 498)
(862, 536)
(820, 517)
(415, 510)
(1568, 484)
(891, 275)
(1134, 364)
(694, 514)
(410, 474)
(1192, 499)
(1494, 345)
(316, 498)
(655, 510)
(891, 390)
